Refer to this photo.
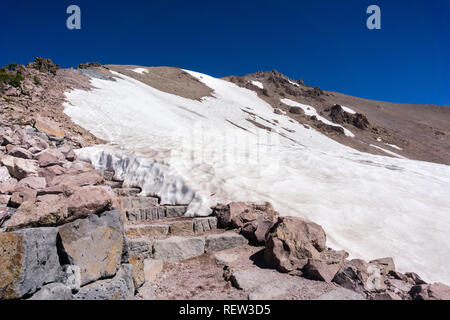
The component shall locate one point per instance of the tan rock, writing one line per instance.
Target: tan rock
(137, 261)
(317, 269)
(48, 127)
(152, 268)
(182, 228)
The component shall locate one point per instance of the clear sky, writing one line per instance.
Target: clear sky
(324, 42)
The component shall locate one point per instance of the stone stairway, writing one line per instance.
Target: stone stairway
(161, 232)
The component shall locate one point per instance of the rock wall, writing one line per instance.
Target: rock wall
(60, 235)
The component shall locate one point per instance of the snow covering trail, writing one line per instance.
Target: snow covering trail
(201, 152)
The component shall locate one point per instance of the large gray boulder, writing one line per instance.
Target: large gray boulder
(95, 244)
(28, 260)
(120, 287)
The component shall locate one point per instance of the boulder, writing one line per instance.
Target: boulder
(8, 186)
(292, 241)
(223, 241)
(35, 183)
(89, 200)
(88, 178)
(28, 260)
(178, 248)
(253, 220)
(95, 244)
(49, 127)
(386, 264)
(50, 157)
(47, 210)
(120, 287)
(415, 278)
(20, 168)
(53, 291)
(68, 152)
(317, 269)
(19, 152)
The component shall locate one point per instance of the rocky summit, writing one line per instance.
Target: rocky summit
(91, 209)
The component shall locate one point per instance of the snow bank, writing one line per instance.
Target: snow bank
(139, 70)
(310, 111)
(348, 110)
(258, 84)
(208, 151)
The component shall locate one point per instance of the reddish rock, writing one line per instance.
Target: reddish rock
(47, 210)
(20, 168)
(68, 152)
(387, 264)
(33, 183)
(88, 178)
(19, 152)
(317, 269)
(292, 241)
(89, 200)
(49, 157)
(8, 187)
(254, 220)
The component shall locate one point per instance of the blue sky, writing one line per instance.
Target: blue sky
(325, 43)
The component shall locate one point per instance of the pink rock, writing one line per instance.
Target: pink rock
(9, 186)
(20, 168)
(19, 152)
(4, 174)
(89, 200)
(47, 210)
(49, 157)
(33, 183)
(81, 179)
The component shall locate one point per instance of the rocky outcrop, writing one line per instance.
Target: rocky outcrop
(338, 115)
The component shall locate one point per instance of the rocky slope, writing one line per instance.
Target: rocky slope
(55, 206)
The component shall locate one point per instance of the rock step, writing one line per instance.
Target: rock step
(170, 226)
(178, 248)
